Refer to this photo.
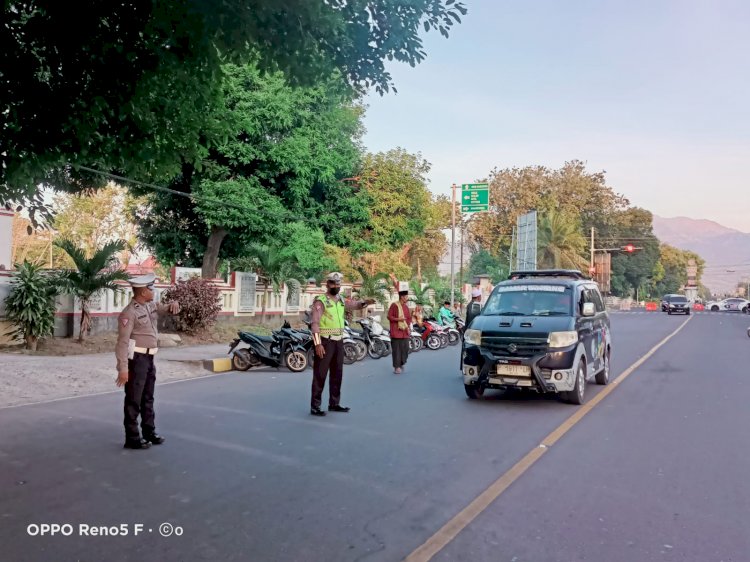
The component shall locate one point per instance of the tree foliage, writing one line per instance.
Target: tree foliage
(483, 262)
(132, 86)
(561, 243)
(282, 154)
(96, 218)
(399, 201)
(30, 305)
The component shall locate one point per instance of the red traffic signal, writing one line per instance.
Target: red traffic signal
(629, 248)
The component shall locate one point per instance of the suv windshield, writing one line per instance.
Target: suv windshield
(530, 300)
(678, 299)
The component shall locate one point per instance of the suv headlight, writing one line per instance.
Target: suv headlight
(563, 339)
(473, 337)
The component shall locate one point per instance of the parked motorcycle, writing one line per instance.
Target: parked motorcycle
(283, 347)
(415, 341)
(376, 345)
(431, 337)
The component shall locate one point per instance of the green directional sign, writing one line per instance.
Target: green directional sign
(475, 197)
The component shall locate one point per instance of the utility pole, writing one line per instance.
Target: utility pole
(453, 244)
(510, 252)
(592, 250)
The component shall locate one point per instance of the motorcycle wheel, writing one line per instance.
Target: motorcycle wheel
(376, 349)
(415, 344)
(433, 342)
(350, 353)
(242, 360)
(296, 361)
(453, 338)
(388, 348)
(361, 350)
(444, 340)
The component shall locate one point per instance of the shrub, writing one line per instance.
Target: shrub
(199, 304)
(30, 306)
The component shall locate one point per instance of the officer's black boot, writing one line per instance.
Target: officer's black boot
(153, 438)
(137, 444)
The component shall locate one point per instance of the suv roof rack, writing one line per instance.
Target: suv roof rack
(567, 273)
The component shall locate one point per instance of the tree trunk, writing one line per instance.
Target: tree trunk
(32, 342)
(211, 257)
(85, 321)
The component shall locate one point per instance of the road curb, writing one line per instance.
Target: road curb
(218, 365)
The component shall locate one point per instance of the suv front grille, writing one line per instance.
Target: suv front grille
(515, 347)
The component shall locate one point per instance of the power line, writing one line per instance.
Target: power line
(193, 196)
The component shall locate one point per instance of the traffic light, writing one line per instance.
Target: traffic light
(629, 248)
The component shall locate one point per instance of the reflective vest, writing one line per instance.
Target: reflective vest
(332, 320)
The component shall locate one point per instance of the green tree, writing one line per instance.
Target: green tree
(92, 275)
(30, 305)
(399, 201)
(560, 242)
(571, 190)
(374, 286)
(93, 219)
(424, 252)
(483, 262)
(139, 98)
(284, 151)
(423, 295)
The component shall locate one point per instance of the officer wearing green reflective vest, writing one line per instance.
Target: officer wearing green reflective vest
(327, 325)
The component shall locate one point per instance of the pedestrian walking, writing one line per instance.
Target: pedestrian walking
(398, 316)
(327, 324)
(137, 344)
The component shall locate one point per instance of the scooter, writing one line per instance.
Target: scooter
(415, 341)
(376, 347)
(283, 347)
(430, 337)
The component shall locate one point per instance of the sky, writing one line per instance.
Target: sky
(655, 93)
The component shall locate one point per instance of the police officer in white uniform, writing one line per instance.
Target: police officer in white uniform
(137, 344)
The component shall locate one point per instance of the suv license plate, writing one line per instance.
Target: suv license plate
(514, 370)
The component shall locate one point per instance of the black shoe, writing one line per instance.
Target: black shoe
(317, 412)
(338, 408)
(154, 438)
(137, 444)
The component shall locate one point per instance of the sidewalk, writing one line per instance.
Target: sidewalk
(28, 378)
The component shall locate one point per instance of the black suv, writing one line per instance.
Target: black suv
(546, 331)
(678, 304)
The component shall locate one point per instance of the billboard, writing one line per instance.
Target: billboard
(526, 241)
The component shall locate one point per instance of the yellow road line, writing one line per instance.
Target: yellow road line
(459, 522)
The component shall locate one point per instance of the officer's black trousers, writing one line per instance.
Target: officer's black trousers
(139, 396)
(333, 361)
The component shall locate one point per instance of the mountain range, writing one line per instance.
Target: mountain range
(726, 250)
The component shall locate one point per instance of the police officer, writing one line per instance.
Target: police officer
(475, 306)
(137, 344)
(327, 325)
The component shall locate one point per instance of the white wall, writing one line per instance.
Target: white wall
(6, 238)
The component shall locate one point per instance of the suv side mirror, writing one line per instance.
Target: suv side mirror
(589, 309)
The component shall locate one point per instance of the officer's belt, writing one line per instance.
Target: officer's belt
(146, 350)
(337, 337)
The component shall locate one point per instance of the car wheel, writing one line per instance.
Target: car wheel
(602, 377)
(474, 391)
(714, 308)
(745, 310)
(578, 394)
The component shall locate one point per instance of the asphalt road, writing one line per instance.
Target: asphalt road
(656, 471)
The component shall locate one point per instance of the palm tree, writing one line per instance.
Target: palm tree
(92, 275)
(276, 269)
(374, 286)
(561, 242)
(422, 295)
